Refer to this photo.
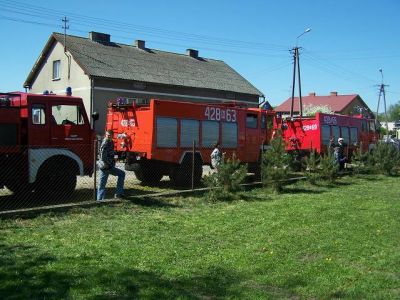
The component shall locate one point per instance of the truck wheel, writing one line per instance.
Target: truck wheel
(148, 173)
(181, 175)
(20, 189)
(56, 179)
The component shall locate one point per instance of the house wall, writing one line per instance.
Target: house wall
(78, 80)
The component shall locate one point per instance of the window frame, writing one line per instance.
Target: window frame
(42, 115)
(252, 125)
(56, 74)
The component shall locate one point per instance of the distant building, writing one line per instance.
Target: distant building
(99, 70)
(341, 104)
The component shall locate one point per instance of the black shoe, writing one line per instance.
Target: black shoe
(122, 196)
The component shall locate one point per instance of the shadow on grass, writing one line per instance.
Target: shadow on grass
(28, 273)
(23, 275)
(32, 200)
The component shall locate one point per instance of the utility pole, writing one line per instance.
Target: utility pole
(382, 93)
(296, 66)
(65, 27)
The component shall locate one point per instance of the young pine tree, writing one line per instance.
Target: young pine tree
(275, 165)
(385, 159)
(312, 167)
(227, 180)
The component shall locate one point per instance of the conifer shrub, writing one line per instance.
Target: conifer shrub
(275, 165)
(384, 159)
(312, 167)
(227, 179)
(328, 167)
(360, 161)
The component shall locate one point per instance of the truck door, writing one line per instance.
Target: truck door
(38, 124)
(267, 124)
(252, 137)
(69, 125)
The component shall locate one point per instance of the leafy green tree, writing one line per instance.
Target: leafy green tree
(394, 112)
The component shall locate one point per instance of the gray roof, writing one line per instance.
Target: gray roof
(128, 62)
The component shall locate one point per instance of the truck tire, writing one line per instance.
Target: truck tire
(181, 174)
(20, 189)
(147, 173)
(57, 179)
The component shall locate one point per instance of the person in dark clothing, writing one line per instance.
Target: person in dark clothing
(339, 152)
(108, 167)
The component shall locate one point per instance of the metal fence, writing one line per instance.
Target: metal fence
(47, 175)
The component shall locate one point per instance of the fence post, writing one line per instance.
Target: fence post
(193, 160)
(95, 142)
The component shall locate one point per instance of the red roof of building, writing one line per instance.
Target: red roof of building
(336, 102)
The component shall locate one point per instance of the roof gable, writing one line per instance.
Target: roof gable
(336, 102)
(128, 62)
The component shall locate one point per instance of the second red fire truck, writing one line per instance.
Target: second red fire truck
(157, 136)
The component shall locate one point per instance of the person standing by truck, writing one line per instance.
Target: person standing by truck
(107, 167)
(339, 152)
(216, 156)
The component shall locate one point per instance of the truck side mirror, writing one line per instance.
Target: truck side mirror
(95, 116)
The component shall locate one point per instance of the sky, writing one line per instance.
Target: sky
(349, 41)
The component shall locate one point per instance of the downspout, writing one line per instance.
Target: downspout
(91, 101)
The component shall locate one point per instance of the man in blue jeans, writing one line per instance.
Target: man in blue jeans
(108, 167)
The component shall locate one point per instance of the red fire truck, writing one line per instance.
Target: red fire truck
(45, 142)
(156, 137)
(302, 134)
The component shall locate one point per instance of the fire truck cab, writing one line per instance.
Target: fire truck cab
(45, 142)
(157, 137)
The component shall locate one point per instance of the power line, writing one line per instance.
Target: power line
(41, 12)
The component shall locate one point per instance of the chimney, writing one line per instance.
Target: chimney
(311, 94)
(333, 93)
(140, 44)
(192, 53)
(99, 37)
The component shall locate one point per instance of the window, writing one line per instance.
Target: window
(38, 114)
(325, 134)
(267, 121)
(167, 132)
(210, 133)
(354, 135)
(66, 115)
(251, 121)
(189, 133)
(345, 134)
(335, 132)
(372, 126)
(364, 126)
(229, 135)
(9, 134)
(56, 69)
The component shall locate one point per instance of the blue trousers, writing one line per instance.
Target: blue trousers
(101, 191)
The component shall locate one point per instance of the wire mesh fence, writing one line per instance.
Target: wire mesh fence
(49, 175)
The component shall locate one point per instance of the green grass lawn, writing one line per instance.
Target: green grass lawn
(340, 241)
